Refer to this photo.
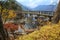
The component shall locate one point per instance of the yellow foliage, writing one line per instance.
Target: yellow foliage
(12, 14)
(47, 32)
(7, 14)
(4, 10)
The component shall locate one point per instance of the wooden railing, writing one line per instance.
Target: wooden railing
(36, 12)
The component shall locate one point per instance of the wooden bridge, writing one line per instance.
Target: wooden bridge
(46, 13)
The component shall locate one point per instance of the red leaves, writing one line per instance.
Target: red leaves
(11, 26)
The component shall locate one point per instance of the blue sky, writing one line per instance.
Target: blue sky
(35, 3)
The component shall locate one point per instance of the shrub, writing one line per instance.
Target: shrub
(47, 32)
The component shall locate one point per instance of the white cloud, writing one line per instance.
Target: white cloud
(58, 1)
(52, 1)
(35, 3)
(32, 5)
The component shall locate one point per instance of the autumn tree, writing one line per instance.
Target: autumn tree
(12, 4)
(8, 14)
(56, 17)
(9, 8)
(3, 33)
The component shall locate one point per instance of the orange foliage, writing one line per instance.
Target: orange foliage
(11, 26)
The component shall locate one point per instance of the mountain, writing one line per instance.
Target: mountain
(41, 8)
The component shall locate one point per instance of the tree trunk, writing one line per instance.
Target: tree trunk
(56, 17)
(3, 35)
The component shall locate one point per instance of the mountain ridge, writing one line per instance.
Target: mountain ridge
(41, 8)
